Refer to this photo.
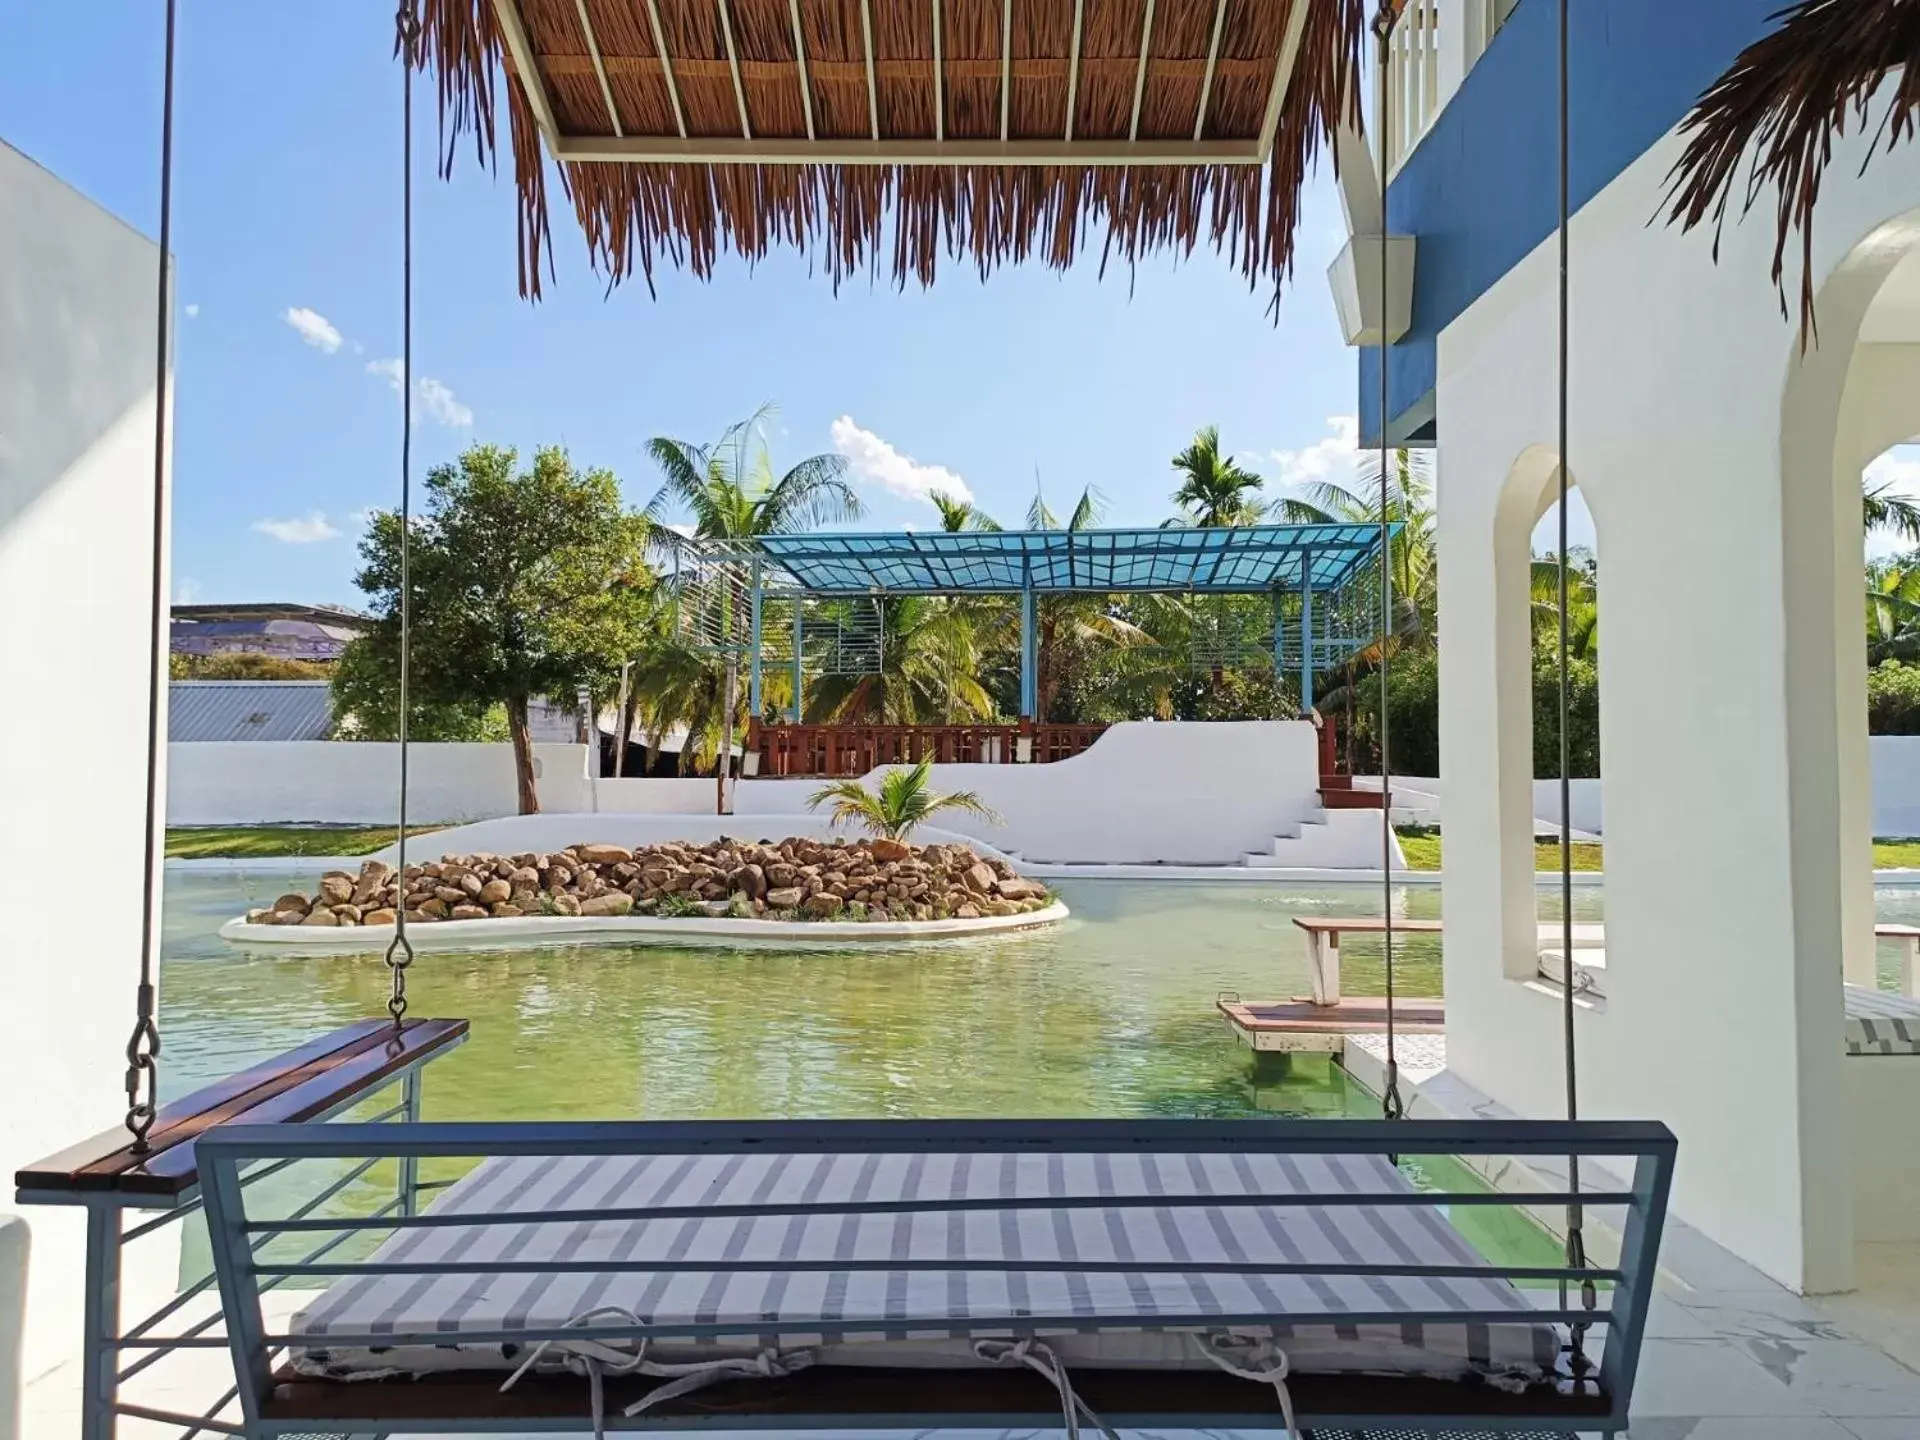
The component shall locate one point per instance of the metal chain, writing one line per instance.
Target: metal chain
(1576, 1236)
(143, 1045)
(1392, 1105)
(406, 44)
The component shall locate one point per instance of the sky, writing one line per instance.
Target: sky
(286, 237)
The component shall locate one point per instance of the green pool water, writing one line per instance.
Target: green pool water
(1109, 1014)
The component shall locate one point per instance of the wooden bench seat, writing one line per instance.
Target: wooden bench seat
(316, 1079)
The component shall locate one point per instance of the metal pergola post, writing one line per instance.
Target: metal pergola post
(1029, 658)
(1306, 633)
(753, 656)
(1279, 634)
(799, 660)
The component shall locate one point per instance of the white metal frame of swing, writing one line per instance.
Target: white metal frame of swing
(220, 1164)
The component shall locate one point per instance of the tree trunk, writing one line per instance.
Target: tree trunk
(629, 706)
(725, 760)
(522, 734)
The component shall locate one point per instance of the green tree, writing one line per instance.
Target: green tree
(1884, 511)
(903, 803)
(1214, 490)
(366, 700)
(1415, 550)
(525, 582)
(731, 493)
(245, 665)
(1076, 633)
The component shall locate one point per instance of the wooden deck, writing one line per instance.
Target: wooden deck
(1299, 1026)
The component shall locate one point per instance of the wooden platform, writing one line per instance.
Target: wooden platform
(1299, 1026)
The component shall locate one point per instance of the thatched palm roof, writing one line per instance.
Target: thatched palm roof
(880, 135)
(1787, 98)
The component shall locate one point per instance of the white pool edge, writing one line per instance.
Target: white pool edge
(578, 929)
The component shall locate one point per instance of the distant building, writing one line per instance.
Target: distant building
(288, 632)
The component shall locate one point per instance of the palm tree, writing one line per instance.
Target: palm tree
(904, 803)
(1882, 509)
(1583, 602)
(928, 670)
(1071, 626)
(1414, 552)
(958, 515)
(1214, 490)
(1893, 611)
(730, 491)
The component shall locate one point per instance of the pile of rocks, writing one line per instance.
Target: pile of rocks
(794, 879)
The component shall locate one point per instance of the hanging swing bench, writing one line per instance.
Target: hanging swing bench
(1246, 1275)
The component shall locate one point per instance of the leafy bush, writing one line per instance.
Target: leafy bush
(245, 666)
(1893, 699)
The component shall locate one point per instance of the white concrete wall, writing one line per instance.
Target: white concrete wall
(1694, 469)
(1895, 767)
(76, 506)
(349, 782)
(1145, 793)
(655, 795)
(1413, 793)
(1718, 952)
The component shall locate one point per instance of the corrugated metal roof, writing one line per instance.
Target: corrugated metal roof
(248, 710)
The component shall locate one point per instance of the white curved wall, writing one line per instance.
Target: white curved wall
(1145, 793)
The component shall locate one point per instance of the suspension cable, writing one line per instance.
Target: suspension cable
(143, 1045)
(1576, 1238)
(1391, 1103)
(406, 45)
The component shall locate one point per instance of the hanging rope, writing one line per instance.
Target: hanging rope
(1576, 1238)
(143, 1045)
(406, 46)
(1391, 1103)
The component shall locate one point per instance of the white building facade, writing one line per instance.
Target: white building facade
(1722, 466)
(77, 410)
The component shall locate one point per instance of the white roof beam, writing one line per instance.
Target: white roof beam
(514, 30)
(800, 58)
(733, 64)
(873, 83)
(599, 66)
(1213, 59)
(666, 67)
(772, 150)
(1283, 72)
(1140, 75)
(1073, 63)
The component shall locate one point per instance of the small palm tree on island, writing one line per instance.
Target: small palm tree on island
(903, 804)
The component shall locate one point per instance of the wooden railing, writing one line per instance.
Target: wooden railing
(840, 750)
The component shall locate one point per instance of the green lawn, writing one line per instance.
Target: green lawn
(1422, 849)
(253, 842)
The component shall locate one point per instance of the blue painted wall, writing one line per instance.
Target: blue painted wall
(1481, 190)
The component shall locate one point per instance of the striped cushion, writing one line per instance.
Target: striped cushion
(1879, 1023)
(928, 1316)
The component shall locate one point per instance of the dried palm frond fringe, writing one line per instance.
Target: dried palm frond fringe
(1790, 96)
(902, 219)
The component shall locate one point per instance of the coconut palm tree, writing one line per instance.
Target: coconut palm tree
(1414, 552)
(928, 671)
(1071, 627)
(1583, 602)
(904, 802)
(1883, 510)
(1214, 490)
(1893, 611)
(958, 515)
(732, 494)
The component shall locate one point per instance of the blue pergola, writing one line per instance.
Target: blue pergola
(1276, 560)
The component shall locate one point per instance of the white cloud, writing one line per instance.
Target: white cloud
(312, 528)
(190, 310)
(433, 396)
(186, 591)
(1330, 458)
(442, 406)
(871, 458)
(1900, 468)
(314, 328)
